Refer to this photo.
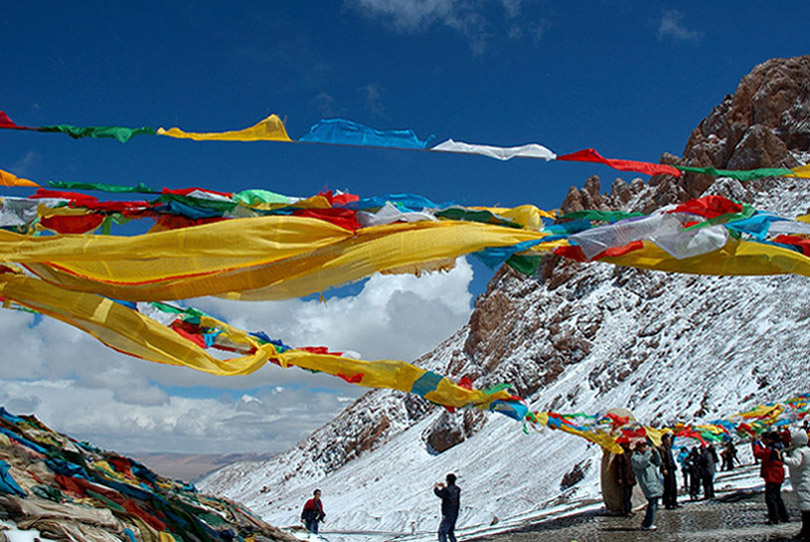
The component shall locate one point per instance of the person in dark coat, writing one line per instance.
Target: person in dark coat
(669, 470)
(450, 495)
(626, 478)
(707, 460)
(313, 513)
(695, 475)
(767, 450)
(729, 455)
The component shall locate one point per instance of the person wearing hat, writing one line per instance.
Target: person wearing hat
(645, 462)
(797, 458)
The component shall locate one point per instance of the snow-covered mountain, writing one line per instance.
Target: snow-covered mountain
(575, 337)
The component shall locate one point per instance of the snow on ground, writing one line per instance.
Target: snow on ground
(745, 478)
(667, 346)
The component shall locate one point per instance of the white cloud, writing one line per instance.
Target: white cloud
(671, 26)
(325, 105)
(77, 385)
(372, 98)
(411, 15)
(470, 18)
(385, 320)
(26, 164)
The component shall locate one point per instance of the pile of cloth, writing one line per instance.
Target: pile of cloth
(71, 490)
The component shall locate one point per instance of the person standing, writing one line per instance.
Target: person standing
(450, 495)
(767, 449)
(313, 513)
(693, 460)
(669, 470)
(798, 461)
(645, 465)
(626, 478)
(708, 460)
(683, 454)
(729, 455)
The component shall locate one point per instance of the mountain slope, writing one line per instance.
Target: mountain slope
(576, 338)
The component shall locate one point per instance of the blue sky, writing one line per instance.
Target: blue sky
(631, 79)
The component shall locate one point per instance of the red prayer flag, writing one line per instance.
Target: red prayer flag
(620, 251)
(345, 218)
(709, 206)
(590, 155)
(73, 197)
(571, 251)
(803, 244)
(6, 122)
(72, 224)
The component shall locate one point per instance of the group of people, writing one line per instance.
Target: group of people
(698, 466)
(450, 494)
(654, 470)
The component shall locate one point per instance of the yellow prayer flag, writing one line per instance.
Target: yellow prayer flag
(9, 179)
(269, 129)
(802, 172)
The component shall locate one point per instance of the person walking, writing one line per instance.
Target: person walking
(645, 465)
(313, 513)
(669, 470)
(797, 458)
(772, 470)
(626, 478)
(450, 495)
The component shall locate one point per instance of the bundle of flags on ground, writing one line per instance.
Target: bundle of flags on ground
(71, 490)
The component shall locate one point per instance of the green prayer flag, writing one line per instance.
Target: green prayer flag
(120, 133)
(525, 264)
(486, 217)
(605, 216)
(256, 196)
(103, 187)
(740, 175)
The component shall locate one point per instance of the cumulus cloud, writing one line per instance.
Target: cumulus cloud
(372, 98)
(385, 320)
(671, 27)
(475, 20)
(77, 385)
(411, 15)
(26, 164)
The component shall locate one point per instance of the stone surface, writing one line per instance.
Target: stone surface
(738, 517)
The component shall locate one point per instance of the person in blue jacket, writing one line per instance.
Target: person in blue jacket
(450, 495)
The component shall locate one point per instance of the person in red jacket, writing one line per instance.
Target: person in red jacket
(313, 513)
(773, 472)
